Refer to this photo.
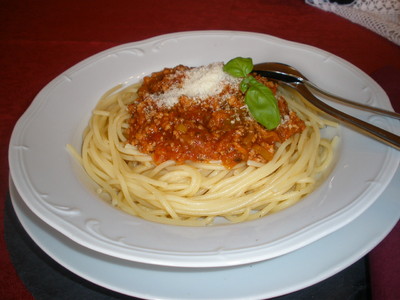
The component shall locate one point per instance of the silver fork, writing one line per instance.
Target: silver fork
(362, 126)
(288, 73)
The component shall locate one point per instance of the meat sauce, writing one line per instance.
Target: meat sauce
(217, 127)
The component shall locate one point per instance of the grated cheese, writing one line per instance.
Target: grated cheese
(199, 83)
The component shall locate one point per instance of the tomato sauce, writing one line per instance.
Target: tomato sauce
(217, 127)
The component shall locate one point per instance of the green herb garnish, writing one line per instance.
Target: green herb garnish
(260, 100)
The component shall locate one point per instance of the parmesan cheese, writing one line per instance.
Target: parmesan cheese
(199, 83)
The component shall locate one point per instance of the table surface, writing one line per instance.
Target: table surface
(41, 39)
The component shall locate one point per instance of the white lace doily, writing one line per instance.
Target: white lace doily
(380, 16)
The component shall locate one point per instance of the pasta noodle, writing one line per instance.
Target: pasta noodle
(200, 193)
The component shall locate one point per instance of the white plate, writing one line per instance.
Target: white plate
(271, 278)
(57, 190)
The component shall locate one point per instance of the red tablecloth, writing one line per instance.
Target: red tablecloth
(40, 39)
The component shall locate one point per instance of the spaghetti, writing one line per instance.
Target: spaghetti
(198, 192)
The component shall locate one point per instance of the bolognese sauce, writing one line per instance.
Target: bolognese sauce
(199, 114)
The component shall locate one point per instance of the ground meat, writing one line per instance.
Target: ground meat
(215, 128)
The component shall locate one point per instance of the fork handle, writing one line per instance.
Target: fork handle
(333, 97)
(367, 128)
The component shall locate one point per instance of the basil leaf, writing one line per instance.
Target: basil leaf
(260, 100)
(239, 66)
(262, 104)
(244, 85)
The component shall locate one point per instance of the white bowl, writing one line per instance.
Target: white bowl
(57, 190)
